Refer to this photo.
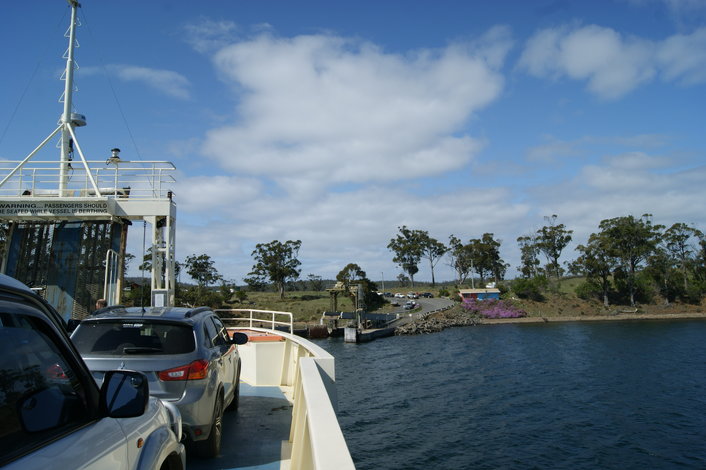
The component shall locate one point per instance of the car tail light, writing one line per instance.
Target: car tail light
(55, 371)
(194, 371)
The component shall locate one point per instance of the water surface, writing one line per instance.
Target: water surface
(628, 395)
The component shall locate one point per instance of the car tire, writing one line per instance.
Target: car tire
(211, 447)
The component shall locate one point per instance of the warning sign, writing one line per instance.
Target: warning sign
(53, 208)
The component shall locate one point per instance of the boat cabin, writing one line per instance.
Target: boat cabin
(479, 294)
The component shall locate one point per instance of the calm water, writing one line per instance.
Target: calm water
(608, 395)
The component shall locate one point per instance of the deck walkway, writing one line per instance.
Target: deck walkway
(256, 437)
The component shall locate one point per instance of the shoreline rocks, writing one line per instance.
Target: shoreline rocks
(449, 319)
(434, 324)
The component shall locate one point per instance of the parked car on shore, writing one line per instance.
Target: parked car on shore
(186, 354)
(54, 415)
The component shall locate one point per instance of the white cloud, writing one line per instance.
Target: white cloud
(165, 81)
(633, 183)
(553, 150)
(330, 110)
(207, 35)
(219, 193)
(637, 161)
(683, 57)
(354, 226)
(338, 123)
(612, 64)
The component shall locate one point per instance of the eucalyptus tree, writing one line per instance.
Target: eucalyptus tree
(202, 269)
(529, 256)
(479, 255)
(316, 283)
(630, 241)
(350, 274)
(277, 262)
(432, 250)
(488, 256)
(596, 263)
(459, 258)
(699, 267)
(146, 264)
(551, 240)
(661, 267)
(680, 241)
(407, 246)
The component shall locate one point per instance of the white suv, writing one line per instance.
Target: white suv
(52, 414)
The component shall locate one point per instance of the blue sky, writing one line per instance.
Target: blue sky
(337, 122)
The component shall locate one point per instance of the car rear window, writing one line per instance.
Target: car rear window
(133, 337)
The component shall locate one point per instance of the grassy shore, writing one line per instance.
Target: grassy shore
(305, 306)
(616, 317)
(564, 307)
(308, 306)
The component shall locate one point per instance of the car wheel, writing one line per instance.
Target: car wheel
(211, 447)
(236, 395)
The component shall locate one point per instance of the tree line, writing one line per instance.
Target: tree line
(627, 260)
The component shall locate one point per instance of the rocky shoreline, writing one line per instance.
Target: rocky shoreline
(452, 318)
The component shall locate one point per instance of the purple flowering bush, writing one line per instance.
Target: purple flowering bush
(490, 308)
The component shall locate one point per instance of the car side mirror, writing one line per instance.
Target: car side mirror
(124, 394)
(239, 338)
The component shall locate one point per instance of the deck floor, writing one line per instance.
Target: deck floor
(256, 437)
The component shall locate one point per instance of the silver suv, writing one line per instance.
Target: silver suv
(187, 355)
(52, 414)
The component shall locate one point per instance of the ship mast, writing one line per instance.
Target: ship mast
(34, 191)
(66, 121)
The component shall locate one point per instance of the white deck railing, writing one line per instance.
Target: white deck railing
(307, 370)
(134, 179)
(256, 318)
(316, 437)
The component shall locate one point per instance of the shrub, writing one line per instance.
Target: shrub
(588, 291)
(241, 295)
(694, 294)
(530, 288)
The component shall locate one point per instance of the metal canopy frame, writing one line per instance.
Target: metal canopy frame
(114, 189)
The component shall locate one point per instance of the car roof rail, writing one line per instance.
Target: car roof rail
(196, 311)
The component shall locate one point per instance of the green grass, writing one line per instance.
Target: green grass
(305, 306)
(568, 285)
(308, 306)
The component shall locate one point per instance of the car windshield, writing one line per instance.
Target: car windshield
(133, 337)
